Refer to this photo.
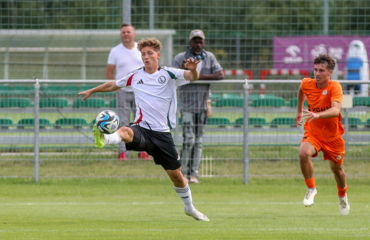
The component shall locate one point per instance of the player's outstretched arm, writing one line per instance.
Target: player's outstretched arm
(192, 74)
(106, 87)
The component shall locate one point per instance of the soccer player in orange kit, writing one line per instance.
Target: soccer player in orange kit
(323, 128)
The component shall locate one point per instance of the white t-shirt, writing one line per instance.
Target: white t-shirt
(155, 96)
(126, 60)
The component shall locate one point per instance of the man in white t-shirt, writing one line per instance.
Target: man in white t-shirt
(123, 58)
(156, 102)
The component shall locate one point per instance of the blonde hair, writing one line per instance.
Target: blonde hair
(149, 42)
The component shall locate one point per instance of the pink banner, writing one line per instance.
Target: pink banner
(299, 52)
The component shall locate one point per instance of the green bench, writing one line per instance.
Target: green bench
(294, 102)
(53, 102)
(283, 121)
(257, 122)
(89, 103)
(5, 123)
(71, 122)
(220, 121)
(367, 124)
(15, 102)
(361, 101)
(30, 122)
(269, 102)
(353, 122)
(113, 103)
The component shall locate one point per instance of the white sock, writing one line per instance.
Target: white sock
(185, 195)
(112, 139)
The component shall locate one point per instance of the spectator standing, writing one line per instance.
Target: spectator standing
(123, 58)
(193, 102)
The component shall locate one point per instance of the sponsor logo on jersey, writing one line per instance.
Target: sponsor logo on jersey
(162, 79)
(325, 92)
(315, 110)
(140, 82)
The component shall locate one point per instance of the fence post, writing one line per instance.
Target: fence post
(37, 130)
(177, 137)
(126, 11)
(346, 127)
(245, 133)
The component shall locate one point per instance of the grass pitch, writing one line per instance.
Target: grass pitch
(150, 209)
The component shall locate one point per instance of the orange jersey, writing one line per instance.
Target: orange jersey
(326, 129)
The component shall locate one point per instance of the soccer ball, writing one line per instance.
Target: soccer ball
(107, 122)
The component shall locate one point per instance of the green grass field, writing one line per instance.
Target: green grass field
(150, 209)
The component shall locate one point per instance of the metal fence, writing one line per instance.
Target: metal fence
(46, 133)
(43, 38)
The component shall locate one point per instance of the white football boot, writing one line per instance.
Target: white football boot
(343, 205)
(310, 195)
(197, 215)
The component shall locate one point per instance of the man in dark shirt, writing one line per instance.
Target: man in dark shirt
(193, 102)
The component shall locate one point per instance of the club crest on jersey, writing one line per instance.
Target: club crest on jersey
(325, 92)
(161, 79)
(339, 157)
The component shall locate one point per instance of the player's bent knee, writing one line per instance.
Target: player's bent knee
(337, 169)
(126, 133)
(176, 176)
(189, 143)
(198, 143)
(304, 155)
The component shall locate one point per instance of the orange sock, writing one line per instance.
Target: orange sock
(310, 183)
(342, 191)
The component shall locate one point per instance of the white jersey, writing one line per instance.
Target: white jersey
(125, 60)
(155, 96)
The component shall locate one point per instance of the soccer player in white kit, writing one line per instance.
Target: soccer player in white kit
(156, 103)
(122, 59)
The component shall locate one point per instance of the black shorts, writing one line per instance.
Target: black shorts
(160, 145)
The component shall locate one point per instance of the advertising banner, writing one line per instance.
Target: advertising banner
(299, 52)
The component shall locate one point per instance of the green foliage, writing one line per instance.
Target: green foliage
(248, 24)
(250, 17)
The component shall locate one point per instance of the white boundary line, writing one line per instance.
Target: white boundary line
(156, 203)
(195, 230)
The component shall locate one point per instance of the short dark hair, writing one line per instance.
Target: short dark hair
(127, 25)
(325, 59)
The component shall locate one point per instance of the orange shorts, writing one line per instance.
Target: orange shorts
(333, 151)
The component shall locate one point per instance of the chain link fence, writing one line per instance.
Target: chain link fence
(249, 38)
(64, 146)
(272, 39)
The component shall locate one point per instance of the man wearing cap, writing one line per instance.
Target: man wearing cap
(193, 102)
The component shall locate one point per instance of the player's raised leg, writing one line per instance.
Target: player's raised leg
(306, 150)
(340, 178)
(99, 138)
(183, 190)
(124, 134)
